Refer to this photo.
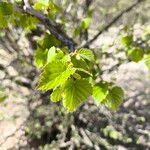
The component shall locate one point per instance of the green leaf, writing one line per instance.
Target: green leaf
(79, 63)
(77, 31)
(147, 61)
(81, 66)
(66, 58)
(55, 74)
(40, 57)
(3, 22)
(51, 54)
(115, 97)
(127, 40)
(48, 41)
(18, 1)
(85, 23)
(54, 8)
(3, 95)
(76, 76)
(84, 71)
(57, 55)
(41, 4)
(85, 54)
(6, 8)
(56, 95)
(28, 22)
(75, 93)
(100, 91)
(2, 98)
(135, 54)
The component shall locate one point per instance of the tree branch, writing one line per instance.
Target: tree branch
(52, 26)
(114, 20)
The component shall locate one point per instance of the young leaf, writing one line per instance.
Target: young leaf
(147, 61)
(85, 23)
(3, 95)
(41, 4)
(79, 63)
(59, 56)
(55, 74)
(51, 54)
(3, 22)
(40, 57)
(115, 97)
(135, 54)
(76, 76)
(2, 98)
(28, 22)
(81, 66)
(76, 92)
(56, 95)
(85, 54)
(48, 41)
(84, 71)
(127, 40)
(100, 91)
(6, 8)
(54, 8)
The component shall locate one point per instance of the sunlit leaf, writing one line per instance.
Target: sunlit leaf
(81, 65)
(135, 54)
(56, 95)
(84, 71)
(28, 22)
(76, 76)
(100, 91)
(51, 54)
(48, 41)
(3, 22)
(85, 54)
(41, 4)
(127, 40)
(85, 23)
(40, 57)
(147, 61)
(54, 74)
(75, 93)
(115, 98)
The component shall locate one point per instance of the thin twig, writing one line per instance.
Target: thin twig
(114, 20)
(52, 26)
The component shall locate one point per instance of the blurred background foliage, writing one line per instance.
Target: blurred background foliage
(29, 120)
